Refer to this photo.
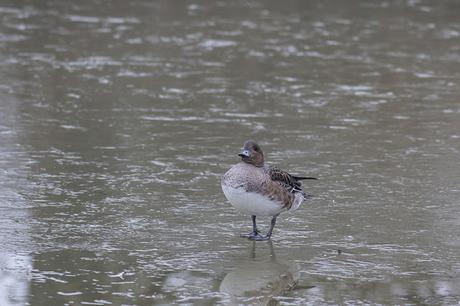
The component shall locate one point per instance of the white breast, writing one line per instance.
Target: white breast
(251, 203)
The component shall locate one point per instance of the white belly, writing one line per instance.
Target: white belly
(251, 203)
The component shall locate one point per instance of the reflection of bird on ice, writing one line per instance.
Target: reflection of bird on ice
(256, 280)
(14, 278)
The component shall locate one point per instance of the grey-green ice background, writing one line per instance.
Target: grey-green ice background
(117, 119)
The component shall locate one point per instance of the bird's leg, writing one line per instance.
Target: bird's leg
(272, 225)
(255, 232)
(269, 234)
(254, 225)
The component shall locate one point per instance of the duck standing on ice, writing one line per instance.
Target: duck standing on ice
(261, 190)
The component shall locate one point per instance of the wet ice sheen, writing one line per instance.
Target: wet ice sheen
(116, 123)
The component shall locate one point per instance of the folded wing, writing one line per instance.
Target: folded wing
(288, 181)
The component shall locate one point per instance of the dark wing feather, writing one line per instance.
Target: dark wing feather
(290, 182)
(304, 178)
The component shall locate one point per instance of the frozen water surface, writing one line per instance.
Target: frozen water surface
(118, 119)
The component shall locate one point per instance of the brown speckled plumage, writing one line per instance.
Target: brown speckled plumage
(259, 180)
(261, 190)
(254, 176)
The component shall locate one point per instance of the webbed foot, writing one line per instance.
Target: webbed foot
(251, 235)
(255, 236)
(259, 238)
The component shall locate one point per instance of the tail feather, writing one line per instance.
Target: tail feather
(299, 178)
(299, 198)
(307, 196)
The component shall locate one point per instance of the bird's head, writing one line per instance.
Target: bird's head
(251, 153)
